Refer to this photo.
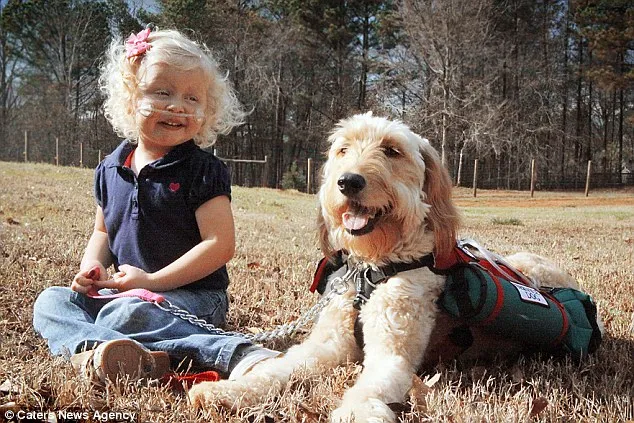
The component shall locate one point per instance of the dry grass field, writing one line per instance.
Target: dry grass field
(46, 218)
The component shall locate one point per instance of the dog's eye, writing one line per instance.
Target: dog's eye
(342, 151)
(391, 152)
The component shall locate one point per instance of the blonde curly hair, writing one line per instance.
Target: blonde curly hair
(119, 83)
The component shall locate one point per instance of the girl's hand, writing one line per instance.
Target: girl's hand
(85, 279)
(128, 277)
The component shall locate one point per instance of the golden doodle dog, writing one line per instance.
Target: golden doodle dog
(385, 198)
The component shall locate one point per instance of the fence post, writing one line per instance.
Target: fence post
(26, 146)
(56, 151)
(99, 157)
(532, 177)
(588, 177)
(459, 176)
(81, 154)
(309, 177)
(475, 177)
(265, 176)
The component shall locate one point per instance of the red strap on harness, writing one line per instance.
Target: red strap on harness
(319, 274)
(517, 278)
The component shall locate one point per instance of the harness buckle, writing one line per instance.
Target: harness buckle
(339, 285)
(364, 287)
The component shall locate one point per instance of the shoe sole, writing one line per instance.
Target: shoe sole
(124, 357)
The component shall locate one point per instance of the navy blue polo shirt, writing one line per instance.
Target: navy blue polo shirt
(150, 218)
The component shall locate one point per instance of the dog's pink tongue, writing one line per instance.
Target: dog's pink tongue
(354, 222)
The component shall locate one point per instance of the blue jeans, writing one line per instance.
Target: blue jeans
(72, 322)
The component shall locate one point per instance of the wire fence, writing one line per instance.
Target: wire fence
(520, 174)
(535, 175)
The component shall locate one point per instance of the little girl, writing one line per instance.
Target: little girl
(163, 220)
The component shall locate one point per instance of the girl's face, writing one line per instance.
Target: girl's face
(170, 105)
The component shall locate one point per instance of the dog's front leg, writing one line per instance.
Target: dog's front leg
(397, 323)
(330, 343)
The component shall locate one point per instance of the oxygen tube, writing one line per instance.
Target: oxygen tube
(147, 109)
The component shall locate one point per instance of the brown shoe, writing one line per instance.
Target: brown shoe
(121, 357)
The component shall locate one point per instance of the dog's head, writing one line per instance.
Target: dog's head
(385, 195)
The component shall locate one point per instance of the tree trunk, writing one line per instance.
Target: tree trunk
(621, 115)
(364, 61)
(613, 125)
(443, 142)
(579, 114)
(545, 34)
(445, 98)
(278, 152)
(517, 125)
(564, 115)
(588, 155)
(606, 120)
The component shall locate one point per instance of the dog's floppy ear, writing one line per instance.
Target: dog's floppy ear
(443, 218)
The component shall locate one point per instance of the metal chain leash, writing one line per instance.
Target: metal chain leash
(339, 286)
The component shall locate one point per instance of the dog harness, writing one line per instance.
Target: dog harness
(365, 279)
(483, 290)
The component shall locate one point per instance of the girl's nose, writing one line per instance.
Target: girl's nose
(176, 106)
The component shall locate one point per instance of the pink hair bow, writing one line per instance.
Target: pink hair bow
(137, 45)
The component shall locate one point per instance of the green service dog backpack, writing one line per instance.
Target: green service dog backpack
(482, 290)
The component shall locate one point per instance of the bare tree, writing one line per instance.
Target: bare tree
(9, 72)
(60, 42)
(451, 40)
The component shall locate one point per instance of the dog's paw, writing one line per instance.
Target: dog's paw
(209, 395)
(371, 410)
(233, 394)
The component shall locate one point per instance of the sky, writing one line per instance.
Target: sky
(134, 4)
(137, 4)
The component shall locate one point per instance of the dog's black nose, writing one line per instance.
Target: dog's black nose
(350, 183)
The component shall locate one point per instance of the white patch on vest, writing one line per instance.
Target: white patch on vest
(530, 295)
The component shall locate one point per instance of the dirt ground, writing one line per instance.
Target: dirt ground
(493, 198)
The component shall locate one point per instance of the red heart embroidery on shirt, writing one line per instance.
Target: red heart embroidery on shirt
(174, 186)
